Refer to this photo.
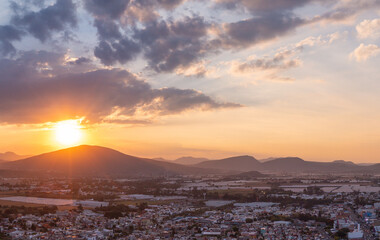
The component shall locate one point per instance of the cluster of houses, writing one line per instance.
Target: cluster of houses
(181, 220)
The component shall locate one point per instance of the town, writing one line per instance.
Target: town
(191, 207)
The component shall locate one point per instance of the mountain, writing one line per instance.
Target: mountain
(239, 163)
(11, 156)
(98, 161)
(190, 160)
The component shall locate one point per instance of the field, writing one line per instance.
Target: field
(19, 204)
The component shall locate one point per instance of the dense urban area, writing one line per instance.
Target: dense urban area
(189, 207)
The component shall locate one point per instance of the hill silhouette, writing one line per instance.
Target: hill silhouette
(87, 160)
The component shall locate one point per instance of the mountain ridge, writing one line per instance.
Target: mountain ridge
(86, 160)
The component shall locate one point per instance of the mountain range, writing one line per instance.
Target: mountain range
(287, 165)
(87, 160)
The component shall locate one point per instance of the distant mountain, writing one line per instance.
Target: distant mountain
(294, 164)
(287, 165)
(239, 163)
(190, 160)
(11, 156)
(98, 161)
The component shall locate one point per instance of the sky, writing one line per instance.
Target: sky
(172, 78)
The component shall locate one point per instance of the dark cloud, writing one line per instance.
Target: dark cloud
(107, 29)
(8, 34)
(120, 51)
(29, 95)
(106, 9)
(51, 19)
(258, 29)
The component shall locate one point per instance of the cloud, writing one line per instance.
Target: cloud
(51, 19)
(36, 88)
(364, 52)
(369, 29)
(8, 34)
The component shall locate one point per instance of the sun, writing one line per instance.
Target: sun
(68, 132)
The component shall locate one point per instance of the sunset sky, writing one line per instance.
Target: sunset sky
(172, 78)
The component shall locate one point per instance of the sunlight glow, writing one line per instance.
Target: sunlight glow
(68, 132)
